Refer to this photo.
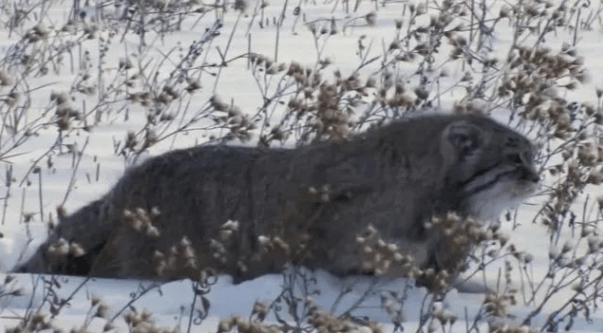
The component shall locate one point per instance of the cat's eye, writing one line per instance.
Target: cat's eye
(515, 159)
(528, 156)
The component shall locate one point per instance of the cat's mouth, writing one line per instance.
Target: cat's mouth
(489, 203)
(526, 185)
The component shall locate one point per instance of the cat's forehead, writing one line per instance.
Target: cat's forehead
(513, 139)
(504, 136)
(502, 132)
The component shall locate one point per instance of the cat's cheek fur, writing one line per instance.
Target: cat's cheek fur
(490, 203)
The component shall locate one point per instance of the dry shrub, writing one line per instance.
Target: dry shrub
(532, 81)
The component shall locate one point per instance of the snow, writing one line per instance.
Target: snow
(100, 167)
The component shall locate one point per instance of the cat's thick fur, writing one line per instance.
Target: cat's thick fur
(316, 199)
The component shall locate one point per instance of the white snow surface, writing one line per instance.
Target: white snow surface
(100, 168)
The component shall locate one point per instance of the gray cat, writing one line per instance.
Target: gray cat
(165, 218)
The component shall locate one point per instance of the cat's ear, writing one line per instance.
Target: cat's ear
(464, 137)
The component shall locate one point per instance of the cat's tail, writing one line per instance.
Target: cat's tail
(75, 242)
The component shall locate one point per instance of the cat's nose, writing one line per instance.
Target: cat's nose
(531, 174)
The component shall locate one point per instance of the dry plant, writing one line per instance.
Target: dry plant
(530, 83)
(294, 310)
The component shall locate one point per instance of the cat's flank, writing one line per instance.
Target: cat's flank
(166, 218)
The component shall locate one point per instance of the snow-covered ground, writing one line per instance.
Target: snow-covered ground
(99, 167)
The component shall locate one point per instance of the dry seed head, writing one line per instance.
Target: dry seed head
(241, 266)
(433, 326)
(586, 231)
(36, 33)
(8, 279)
(102, 310)
(594, 177)
(171, 91)
(76, 250)
(577, 287)
(125, 63)
(12, 98)
(225, 234)
(108, 326)
(5, 79)
(502, 236)
(594, 243)
(371, 18)
(371, 231)
(495, 304)
(234, 112)
(553, 252)
(153, 232)
(437, 308)
(571, 86)
(421, 9)
(272, 69)
(295, 69)
(155, 212)
(312, 27)
(60, 247)
(193, 85)
(150, 138)
(504, 12)
(131, 142)
(146, 315)
(217, 103)
(567, 246)
(66, 110)
(370, 82)
(421, 93)
(90, 31)
(448, 317)
(264, 241)
(583, 77)
(241, 5)
(164, 98)
(398, 24)
(260, 308)
(59, 97)
(226, 325)
(231, 225)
